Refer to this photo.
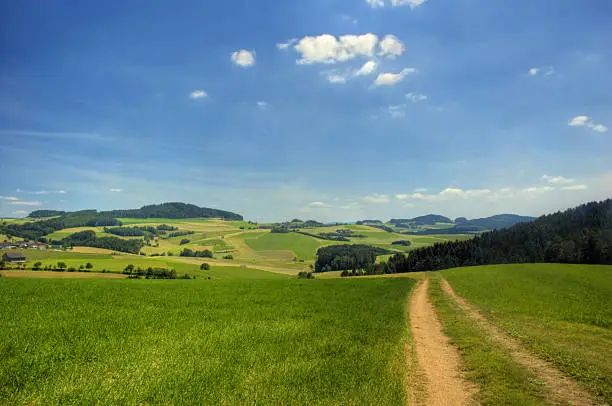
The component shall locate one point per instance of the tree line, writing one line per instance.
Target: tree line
(88, 238)
(347, 256)
(582, 235)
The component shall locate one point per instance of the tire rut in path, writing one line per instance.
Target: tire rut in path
(561, 389)
(438, 359)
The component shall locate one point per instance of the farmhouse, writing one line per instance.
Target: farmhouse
(13, 257)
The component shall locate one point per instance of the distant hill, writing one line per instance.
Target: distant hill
(497, 222)
(429, 219)
(35, 230)
(580, 235)
(174, 211)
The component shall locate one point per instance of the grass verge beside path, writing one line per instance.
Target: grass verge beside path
(499, 378)
(203, 342)
(560, 312)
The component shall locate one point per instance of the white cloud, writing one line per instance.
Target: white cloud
(446, 194)
(538, 189)
(286, 45)
(389, 79)
(586, 121)
(9, 198)
(557, 180)
(262, 104)
(335, 78)
(20, 212)
(391, 47)
(198, 94)
(579, 121)
(548, 71)
(368, 68)
(317, 205)
(115, 190)
(397, 111)
(420, 190)
(243, 58)
(416, 97)
(395, 3)
(326, 48)
(575, 187)
(47, 192)
(22, 203)
(376, 198)
(600, 128)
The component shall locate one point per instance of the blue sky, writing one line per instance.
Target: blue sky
(324, 109)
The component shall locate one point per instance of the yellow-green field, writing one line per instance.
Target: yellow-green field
(286, 253)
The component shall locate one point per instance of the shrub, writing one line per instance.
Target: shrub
(89, 265)
(305, 275)
(205, 267)
(61, 265)
(184, 241)
(72, 269)
(37, 266)
(228, 257)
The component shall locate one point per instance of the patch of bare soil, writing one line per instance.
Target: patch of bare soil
(438, 359)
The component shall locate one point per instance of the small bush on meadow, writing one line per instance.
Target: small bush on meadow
(205, 267)
(305, 275)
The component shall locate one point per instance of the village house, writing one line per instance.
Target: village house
(14, 257)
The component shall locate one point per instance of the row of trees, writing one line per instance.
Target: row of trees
(187, 252)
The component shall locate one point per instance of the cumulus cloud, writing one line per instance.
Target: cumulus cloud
(326, 48)
(20, 212)
(376, 198)
(445, 194)
(198, 94)
(287, 44)
(368, 68)
(395, 3)
(243, 58)
(317, 205)
(538, 189)
(533, 71)
(390, 79)
(47, 192)
(22, 203)
(115, 190)
(9, 198)
(262, 104)
(391, 47)
(557, 180)
(586, 121)
(416, 97)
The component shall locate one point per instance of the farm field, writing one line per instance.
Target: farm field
(267, 341)
(561, 313)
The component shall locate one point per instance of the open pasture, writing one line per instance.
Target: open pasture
(202, 341)
(563, 313)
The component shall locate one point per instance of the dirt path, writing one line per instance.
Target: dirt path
(561, 390)
(438, 359)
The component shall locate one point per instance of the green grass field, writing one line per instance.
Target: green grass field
(563, 313)
(304, 247)
(202, 342)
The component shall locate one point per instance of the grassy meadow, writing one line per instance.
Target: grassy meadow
(563, 313)
(232, 341)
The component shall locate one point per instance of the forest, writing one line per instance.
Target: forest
(343, 257)
(88, 239)
(582, 235)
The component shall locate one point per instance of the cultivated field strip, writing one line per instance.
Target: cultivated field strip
(559, 388)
